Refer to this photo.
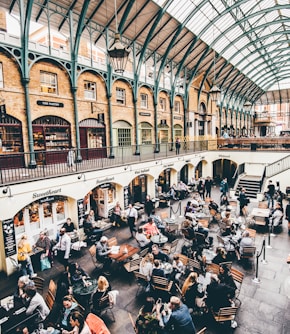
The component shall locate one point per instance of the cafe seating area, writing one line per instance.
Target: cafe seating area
(133, 286)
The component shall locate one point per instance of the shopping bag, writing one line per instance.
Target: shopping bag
(44, 263)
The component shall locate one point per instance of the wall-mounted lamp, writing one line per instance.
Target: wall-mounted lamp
(7, 190)
(128, 167)
(82, 175)
(188, 160)
(157, 162)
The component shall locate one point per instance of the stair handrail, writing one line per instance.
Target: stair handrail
(278, 166)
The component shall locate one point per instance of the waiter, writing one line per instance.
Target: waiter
(132, 216)
(63, 247)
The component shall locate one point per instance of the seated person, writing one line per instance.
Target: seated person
(76, 273)
(224, 201)
(150, 228)
(159, 255)
(178, 269)
(69, 225)
(91, 231)
(146, 266)
(102, 252)
(218, 294)
(116, 215)
(101, 291)
(141, 238)
(231, 244)
(158, 221)
(36, 303)
(157, 270)
(147, 321)
(213, 206)
(221, 256)
(191, 290)
(189, 208)
(188, 230)
(276, 216)
(202, 230)
(226, 277)
(69, 305)
(245, 241)
(19, 295)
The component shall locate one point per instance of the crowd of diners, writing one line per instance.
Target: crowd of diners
(195, 291)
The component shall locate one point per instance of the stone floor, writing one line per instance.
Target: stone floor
(265, 292)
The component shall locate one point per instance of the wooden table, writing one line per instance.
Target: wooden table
(121, 256)
(260, 215)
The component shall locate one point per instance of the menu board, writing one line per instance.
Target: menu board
(126, 197)
(81, 212)
(9, 237)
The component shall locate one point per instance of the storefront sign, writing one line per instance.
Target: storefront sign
(81, 212)
(47, 199)
(9, 237)
(101, 118)
(50, 104)
(177, 117)
(105, 185)
(46, 193)
(105, 179)
(144, 114)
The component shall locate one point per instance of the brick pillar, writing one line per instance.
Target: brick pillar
(3, 23)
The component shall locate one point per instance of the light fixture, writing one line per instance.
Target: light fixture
(247, 106)
(118, 53)
(82, 175)
(7, 190)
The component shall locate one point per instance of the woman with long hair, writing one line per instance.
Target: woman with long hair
(147, 321)
(146, 266)
(101, 291)
(78, 323)
(190, 289)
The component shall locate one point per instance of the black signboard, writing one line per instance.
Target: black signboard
(50, 104)
(81, 212)
(101, 118)
(3, 109)
(9, 237)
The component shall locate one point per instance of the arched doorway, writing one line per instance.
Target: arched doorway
(224, 168)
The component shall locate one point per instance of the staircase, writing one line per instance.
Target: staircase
(251, 184)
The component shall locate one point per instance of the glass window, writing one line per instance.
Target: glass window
(1, 76)
(163, 136)
(19, 222)
(120, 95)
(34, 216)
(146, 135)
(48, 82)
(162, 103)
(124, 137)
(90, 90)
(60, 212)
(177, 106)
(144, 101)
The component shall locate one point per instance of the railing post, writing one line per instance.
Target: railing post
(256, 279)
(264, 252)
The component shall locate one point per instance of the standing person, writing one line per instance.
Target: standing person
(208, 185)
(116, 215)
(132, 216)
(179, 318)
(148, 205)
(270, 194)
(71, 159)
(224, 186)
(63, 247)
(44, 242)
(244, 201)
(23, 258)
(200, 188)
(177, 145)
(287, 214)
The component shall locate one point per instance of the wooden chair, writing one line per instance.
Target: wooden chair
(238, 277)
(173, 228)
(252, 232)
(93, 252)
(263, 205)
(225, 314)
(183, 259)
(49, 300)
(213, 268)
(201, 331)
(226, 263)
(170, 248)
(39, 284)
(194, 265)
(112, 242)
(143, 252)
(105, 306)
(248, 252)
(132, 322)
(52, 287)
(132, 265)
(141, 281)
(161, 283)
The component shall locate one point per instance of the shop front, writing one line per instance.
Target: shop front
(138, 188)
(103, 200)
(92, 139)
(164, 180)
(11, 144)
(52, 139)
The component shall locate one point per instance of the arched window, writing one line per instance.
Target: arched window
(146, 133)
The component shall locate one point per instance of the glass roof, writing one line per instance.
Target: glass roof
(252, 35)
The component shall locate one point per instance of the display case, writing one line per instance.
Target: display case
(56, 138)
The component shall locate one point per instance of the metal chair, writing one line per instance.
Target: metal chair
(161, 283)
(132, 265)
(93, 253)
(142, 281)
(225, 314)
(39, 284)
(105, 306)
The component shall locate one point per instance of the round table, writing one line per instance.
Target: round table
(159, 239)
(83, 293)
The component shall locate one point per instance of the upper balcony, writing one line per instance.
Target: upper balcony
(263, 118)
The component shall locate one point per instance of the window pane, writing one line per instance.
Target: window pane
(90, 90)
(120, 95)
(146, 135)
(124, 137)
(144, 101)
(177, 106)
(48, 82)
(162, 103)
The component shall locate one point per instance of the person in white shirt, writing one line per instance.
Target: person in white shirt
(63, 247)
(246, 241)
(132, 216)
(141, 238)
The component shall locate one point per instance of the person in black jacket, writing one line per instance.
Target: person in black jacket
(148, 206)
(244, 201)
(287, 214)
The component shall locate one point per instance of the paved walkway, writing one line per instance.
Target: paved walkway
(265, 305)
